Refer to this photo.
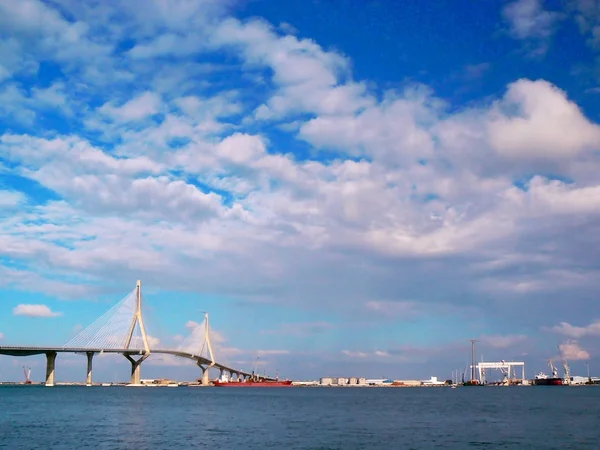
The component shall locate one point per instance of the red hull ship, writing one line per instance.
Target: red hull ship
(253, 383)
(255, 380)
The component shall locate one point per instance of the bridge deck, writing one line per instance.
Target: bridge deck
(30, 351)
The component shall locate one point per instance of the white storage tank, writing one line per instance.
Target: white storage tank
(362, 381)
(326, 381)
(352, 380)
(342, 381)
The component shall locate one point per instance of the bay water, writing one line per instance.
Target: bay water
(74, 417)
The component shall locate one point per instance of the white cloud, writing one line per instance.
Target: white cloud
(9, 199)
(527, 19)
(241, 148)
(306, 75)
(138, 108)
(587, 16)
(35, 311)
(536, 119)
(1, 336)
(576, 332)
(571, 350)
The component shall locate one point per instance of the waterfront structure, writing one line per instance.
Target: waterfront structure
(433, 381)
(120, 331)
(508, 370)
(407, 383)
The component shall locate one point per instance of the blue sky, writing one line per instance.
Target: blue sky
(347, 187)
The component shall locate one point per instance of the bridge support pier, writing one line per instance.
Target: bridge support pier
(50, 366)
(90, 356)
(136, 368)
(205, 369)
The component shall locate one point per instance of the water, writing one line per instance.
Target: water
(299, 418)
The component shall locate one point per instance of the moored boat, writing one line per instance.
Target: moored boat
(541, 379)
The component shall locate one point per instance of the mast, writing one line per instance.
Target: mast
(473, 359)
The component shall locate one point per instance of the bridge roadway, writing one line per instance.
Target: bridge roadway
(51, 352)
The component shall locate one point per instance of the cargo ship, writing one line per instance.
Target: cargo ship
(253, 383)
(541, 379)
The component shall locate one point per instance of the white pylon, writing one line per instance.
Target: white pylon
(206, 340)
(137, 317)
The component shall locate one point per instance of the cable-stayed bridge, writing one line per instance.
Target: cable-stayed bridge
(121, 330)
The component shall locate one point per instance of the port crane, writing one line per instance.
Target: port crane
(565, 365)
(553, 369)
(27, 373)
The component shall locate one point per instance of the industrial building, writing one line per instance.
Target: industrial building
(342, 381)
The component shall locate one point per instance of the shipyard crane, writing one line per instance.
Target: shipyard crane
(27, 373)
(505, 374)
(565, 365)
(553, 368)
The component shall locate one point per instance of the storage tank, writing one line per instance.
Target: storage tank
(326, 381)
(362, 380)
(342, 381)
(352, 380)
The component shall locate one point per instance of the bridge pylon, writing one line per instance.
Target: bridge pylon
(138, 319)
(121, 329)
(136, 364)
(206, 344)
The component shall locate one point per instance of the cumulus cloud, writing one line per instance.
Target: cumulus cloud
(536, 119)
(577, 332)
(35, 311)
(571, 350)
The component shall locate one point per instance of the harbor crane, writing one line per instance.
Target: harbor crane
(565, 365)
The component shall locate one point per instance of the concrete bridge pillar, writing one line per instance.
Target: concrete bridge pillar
(221, 371)
(136, 368)
(205, 380)
(90, 356)
(50, 366)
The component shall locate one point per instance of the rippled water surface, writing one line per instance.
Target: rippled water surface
(299, 418)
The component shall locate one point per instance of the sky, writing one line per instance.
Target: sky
(348, 188)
